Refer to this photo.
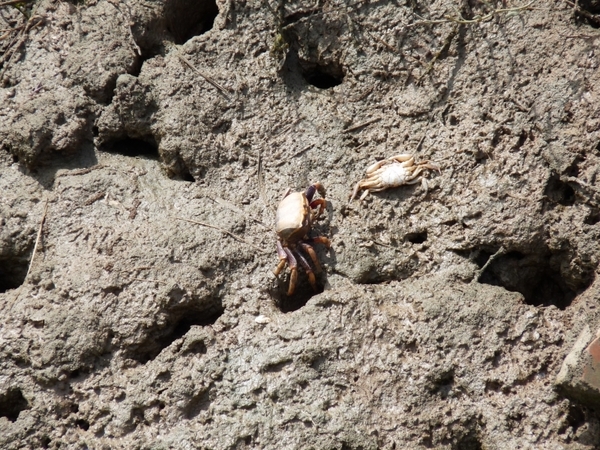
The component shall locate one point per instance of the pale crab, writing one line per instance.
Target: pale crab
(295, 216)
(392, 172)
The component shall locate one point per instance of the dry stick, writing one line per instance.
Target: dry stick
(305, 149)
(593, 17)
(37, 241)
(261, 181)
(6, 59)
(361, 125)
(229, 233)
(220, 88)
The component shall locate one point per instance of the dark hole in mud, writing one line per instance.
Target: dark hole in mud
(480, 257)
(537, 277)
(83, 424)
(593, 217)
(198, 347)
(45, 441)
(441, 383)
(589, 12)
(417, 237)
(188, 18)
(469, 442)
(13, 271)
(132, 147)
(301, 295)
(181, 322)
(12, 403)
(575, 418)
(322, 79)
(557, 191)
(187, 176)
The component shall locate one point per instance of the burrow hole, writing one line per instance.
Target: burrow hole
(323, 77)
(418, 237)
(537, 276)
(181, 318)
(589, 12)
(12, 403)
(575, 418)
(134, 147)
(593, 217)
(557, 191)
(302, 294)
(188, 18)
(441, 383)
(470, 441)
(13, 270)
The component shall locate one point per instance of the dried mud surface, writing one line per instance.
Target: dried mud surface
(144, 147)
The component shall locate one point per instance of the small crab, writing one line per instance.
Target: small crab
(295, 216)
(392, 172)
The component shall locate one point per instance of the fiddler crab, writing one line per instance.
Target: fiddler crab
(392, 172)
(295, 216)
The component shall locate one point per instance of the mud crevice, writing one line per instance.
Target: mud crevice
(322, 77)
(179, 321)
(186, 18)
(12, 273)
(417, 237)
(544, 277)
(134, 147)
(559, 192)
(12, 403)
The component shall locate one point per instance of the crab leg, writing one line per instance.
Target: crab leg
(293, 270)
(315, 187)
(403, 158)
(321, 240)
(309, 272)
(355, 191)
(321, 203)
(313, 256)
(282, 259)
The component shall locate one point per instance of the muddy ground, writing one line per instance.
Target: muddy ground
(144, 147)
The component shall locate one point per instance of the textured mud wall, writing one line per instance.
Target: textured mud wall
(144, 147)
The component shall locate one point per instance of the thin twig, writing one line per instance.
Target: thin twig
(305, 149)
(361, 125)
(500, 252)
(37, 239)
(229, 233)
(261, 180)
(220, 88)
(71, 173)
(7, 57)
(595, 18)
(35, 246)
